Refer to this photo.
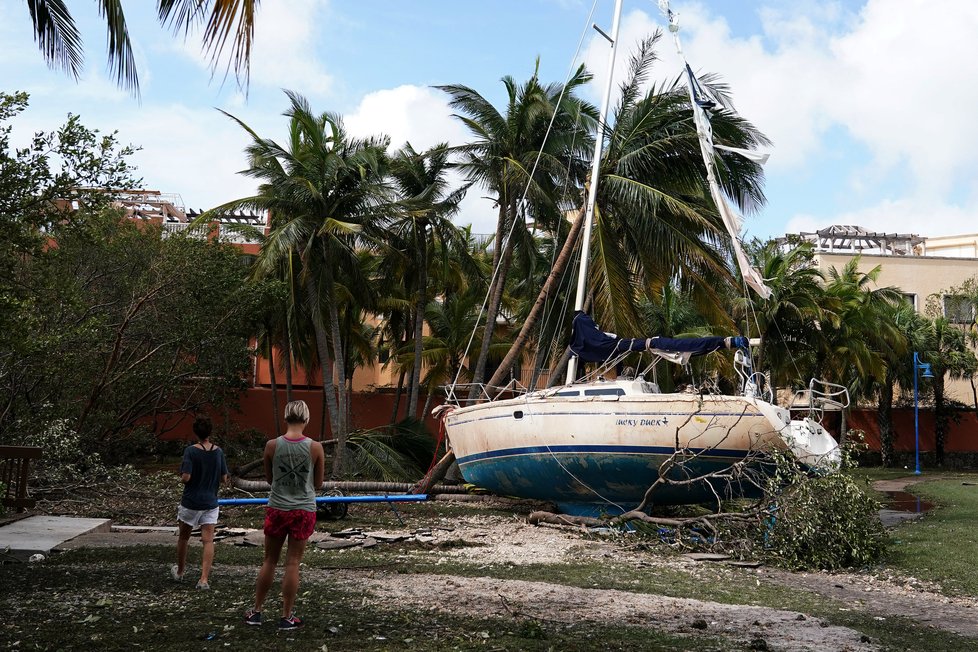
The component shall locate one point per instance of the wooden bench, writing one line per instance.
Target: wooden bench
(14, 470)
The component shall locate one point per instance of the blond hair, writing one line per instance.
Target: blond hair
(297, 412)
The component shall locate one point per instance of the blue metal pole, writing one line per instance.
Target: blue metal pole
(916, 423)
(400, 498)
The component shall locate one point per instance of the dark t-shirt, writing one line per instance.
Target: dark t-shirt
(206, 468)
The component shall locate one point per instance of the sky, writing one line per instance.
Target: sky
(869, 104)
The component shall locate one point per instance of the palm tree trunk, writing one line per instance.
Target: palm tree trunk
(271, 377)
(495, 301)
(884, 418)
(548, 287)
(843, 432)
(500, 265)
(342, 417)
(418, 333)
(538, 361)
(940, 417)
(427, 404)
(322, 348)
(397, 396)
(288, 368)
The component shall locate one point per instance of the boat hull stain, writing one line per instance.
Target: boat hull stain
(591, 481)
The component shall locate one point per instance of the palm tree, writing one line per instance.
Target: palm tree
(514, 159)
(858, 337)
(913, 328)
(60, 41)
(655, 223)
(788, 321)
(948, 354)
(423, 228)
(327, 195)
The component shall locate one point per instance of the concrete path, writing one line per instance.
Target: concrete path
(40, 534)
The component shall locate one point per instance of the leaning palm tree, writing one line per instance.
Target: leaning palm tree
(654, 221)
(327, 196)
(522, 156)
(60, 41)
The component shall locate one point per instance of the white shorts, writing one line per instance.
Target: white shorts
(195, 517)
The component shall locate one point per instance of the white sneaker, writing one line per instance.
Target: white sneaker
(204, 586)
(174, 574)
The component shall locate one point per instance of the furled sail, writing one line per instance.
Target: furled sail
(702, 101)
(591, 344)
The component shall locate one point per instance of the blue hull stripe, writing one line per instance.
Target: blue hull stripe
(591, 449)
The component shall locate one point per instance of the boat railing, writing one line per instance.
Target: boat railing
(754, 384)
(820, 397)
(460, 394)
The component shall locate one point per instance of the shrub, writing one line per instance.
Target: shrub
(65, 462)
(821, 522)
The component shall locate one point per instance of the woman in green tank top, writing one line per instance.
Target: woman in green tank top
(294, 466)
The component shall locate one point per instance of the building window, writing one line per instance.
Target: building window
(958, 309)
(910, 298)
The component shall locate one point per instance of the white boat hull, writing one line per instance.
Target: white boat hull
(602, 452)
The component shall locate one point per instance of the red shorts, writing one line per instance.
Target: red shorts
(297, 524)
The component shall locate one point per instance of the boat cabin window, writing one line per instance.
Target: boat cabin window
(611, 391)
(567, 394)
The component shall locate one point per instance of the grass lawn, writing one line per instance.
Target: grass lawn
(122, 598)
(943, 545)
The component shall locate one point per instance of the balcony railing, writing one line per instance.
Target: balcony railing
(228, 234)
(174, 228)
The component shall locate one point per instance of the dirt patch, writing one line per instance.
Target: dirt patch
(780, 630)
(886, 596)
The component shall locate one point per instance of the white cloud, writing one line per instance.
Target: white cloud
(421, 116)
(284, 47)
(200, 164)
(407, 113)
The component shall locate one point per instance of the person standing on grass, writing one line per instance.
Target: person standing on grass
(202, 470)
(294, 466)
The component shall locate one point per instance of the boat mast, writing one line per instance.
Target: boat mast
(595, 172)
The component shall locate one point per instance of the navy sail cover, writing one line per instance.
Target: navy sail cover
(591, 344)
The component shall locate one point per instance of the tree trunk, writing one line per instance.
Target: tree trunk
(418, 333)
(548, 287)
(427, 405)
(501, 262)
(884, 418)
(271, 376)
(342, 418)
(397, 396)
(843, 432)
(322, 348)
(940, 417)
(288, 368)
(557, 373)
(323, 415)
(437, 474)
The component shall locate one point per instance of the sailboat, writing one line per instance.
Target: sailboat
(598, 444)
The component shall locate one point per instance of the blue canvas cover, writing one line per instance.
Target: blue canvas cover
(591, 344)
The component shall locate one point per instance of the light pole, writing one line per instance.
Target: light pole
(925, 367)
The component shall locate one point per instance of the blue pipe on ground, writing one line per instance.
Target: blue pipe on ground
(403, 498)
